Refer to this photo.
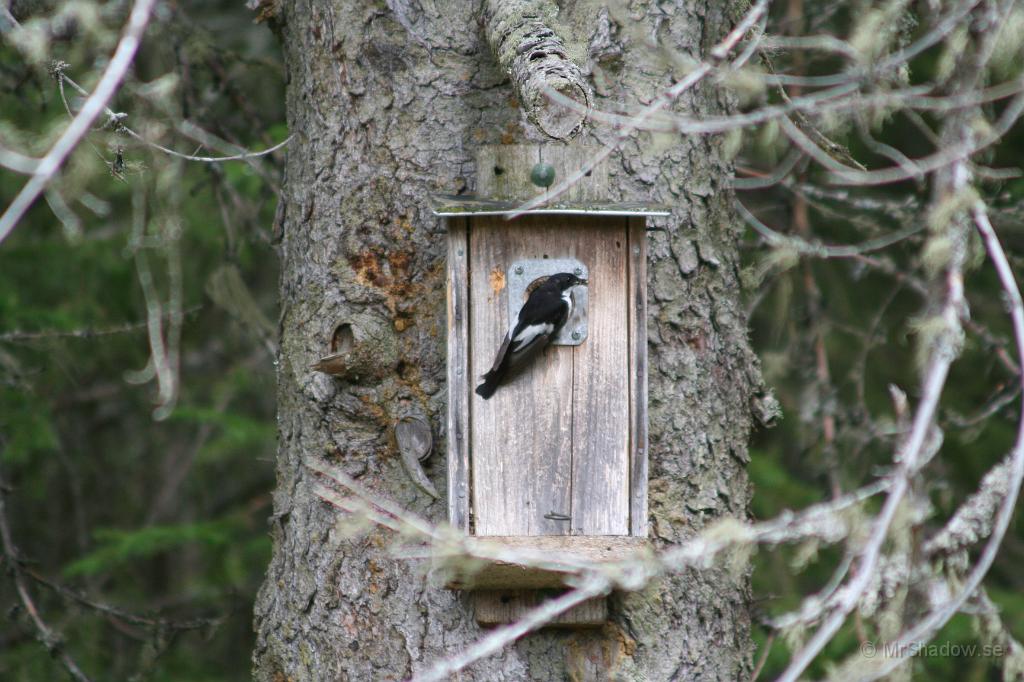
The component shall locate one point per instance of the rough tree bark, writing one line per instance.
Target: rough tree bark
(387, 104)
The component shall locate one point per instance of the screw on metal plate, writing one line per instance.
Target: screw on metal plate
(522, 274)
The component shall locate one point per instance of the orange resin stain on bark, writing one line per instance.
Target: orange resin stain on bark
(497, 280)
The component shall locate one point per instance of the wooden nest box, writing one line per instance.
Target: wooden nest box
(556, 460)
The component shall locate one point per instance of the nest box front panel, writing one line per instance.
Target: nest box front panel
(550, 451)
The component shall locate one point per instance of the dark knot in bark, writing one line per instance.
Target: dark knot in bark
(536, 59)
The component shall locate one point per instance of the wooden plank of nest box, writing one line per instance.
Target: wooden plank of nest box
(521, 438)
(568, 549)
(458, 374)
(503, 172)
(600, 422)
(637, 305)
(498, 607)
(550, 450)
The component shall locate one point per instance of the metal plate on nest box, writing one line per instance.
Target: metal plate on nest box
(467, 205)
(523, 273)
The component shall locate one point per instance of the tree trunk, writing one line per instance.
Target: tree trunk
(387, 104)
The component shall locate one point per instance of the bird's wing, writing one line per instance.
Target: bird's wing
(530, 336)
(519, 347)
(542, 306)
(500, 357)
(538, 319)
(533, 325)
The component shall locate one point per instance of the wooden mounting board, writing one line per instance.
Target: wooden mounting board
(499, 607)
(568, 438)
(571, 549)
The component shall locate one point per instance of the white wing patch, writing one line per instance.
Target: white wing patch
(528, 334)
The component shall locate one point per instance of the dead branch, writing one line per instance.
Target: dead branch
(524, 40)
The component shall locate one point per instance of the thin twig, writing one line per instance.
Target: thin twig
(939, 160)
(94, 105)
(763, 658)
(18, 336)
(186, 128)
(717, 54)
(593, 586)
(837, 99)
(50, 639)
(777, 175)
(120, 614)
(941, 354)
(928, 626)
(17, 162)
(823, 250)
(208, 159)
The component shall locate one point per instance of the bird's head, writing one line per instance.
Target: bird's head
(564, 280)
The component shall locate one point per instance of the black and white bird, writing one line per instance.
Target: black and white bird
(537, 322)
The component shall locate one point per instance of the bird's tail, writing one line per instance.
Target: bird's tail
(490, 385)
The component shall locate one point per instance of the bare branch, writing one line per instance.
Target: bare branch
(535, 57)
(771, 179)
(940, 160)
(94, 105)
(17, 162)
(592, 586)
(997, 484)
(943, 349)
(50, 639)
(718, 53)
(209, 159)
(807, 248)
(185, 127)
(19, 336)
(114, 612)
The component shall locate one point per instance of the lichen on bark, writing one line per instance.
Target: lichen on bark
(523, 36)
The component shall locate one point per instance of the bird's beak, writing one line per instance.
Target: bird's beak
(582, 282)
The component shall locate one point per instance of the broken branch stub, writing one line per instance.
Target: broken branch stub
(536, 59)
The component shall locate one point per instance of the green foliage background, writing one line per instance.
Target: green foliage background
(869, 323)
(167, 518)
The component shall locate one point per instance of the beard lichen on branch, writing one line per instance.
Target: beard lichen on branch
(527, 47)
